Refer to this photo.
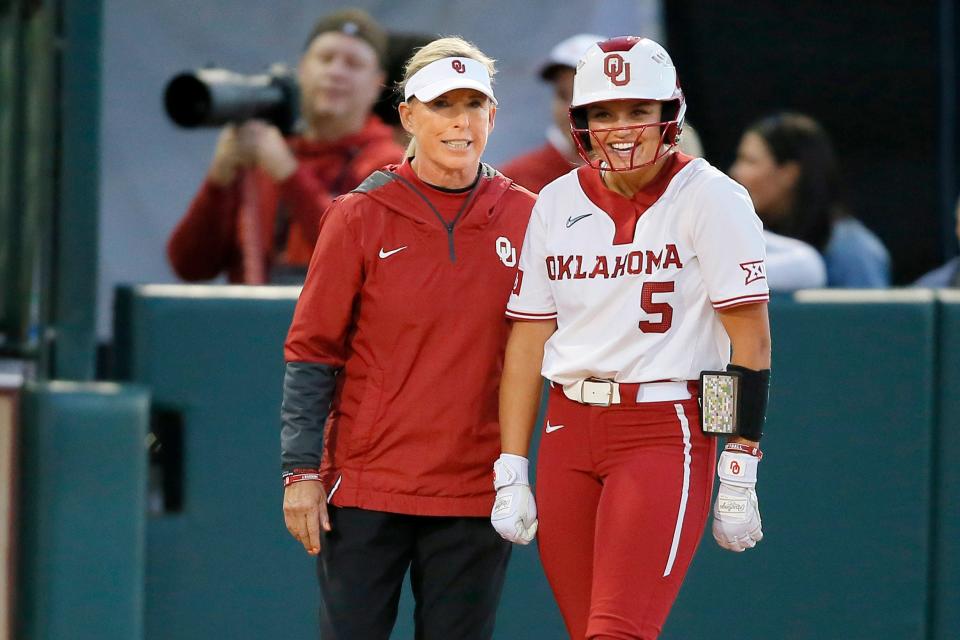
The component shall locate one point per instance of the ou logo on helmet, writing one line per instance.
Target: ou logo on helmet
(506, 251)
(614, 66)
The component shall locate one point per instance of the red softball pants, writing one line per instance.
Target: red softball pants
(623, 493)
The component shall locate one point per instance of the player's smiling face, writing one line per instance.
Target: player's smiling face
(625, 132)
(451, 133)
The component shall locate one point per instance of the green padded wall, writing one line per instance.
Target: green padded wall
(82, 505)
(844, 486)
(73, 299)
(224, 565)
(946, 584)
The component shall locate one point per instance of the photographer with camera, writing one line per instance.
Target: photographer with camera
(257, 214)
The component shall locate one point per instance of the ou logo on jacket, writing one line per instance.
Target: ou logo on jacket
(506, 251)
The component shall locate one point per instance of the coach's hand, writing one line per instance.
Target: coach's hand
(736, 513)
(305, 512)
(514, 514)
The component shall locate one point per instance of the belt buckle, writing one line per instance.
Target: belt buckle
(609, 399)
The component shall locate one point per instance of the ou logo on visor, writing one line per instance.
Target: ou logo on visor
(459, 67)
(614, 67)
(506, 251)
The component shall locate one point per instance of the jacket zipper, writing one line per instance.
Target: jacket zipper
(446, 225)
(453, 253)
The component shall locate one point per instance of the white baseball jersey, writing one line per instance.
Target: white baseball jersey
(638, 304)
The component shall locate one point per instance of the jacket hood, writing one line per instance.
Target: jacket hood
(391, 190)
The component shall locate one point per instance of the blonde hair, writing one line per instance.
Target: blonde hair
(448, 47)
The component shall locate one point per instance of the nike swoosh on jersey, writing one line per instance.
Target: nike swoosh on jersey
(573, 221)
(387, 254)
(554, 427)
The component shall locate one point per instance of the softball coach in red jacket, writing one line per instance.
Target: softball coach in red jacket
(393, 363)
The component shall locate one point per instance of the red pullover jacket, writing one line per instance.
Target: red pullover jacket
(410, 316)
(207, 241)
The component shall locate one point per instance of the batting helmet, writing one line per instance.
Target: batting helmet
(626, 68)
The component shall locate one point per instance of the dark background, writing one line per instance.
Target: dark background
(875, 74)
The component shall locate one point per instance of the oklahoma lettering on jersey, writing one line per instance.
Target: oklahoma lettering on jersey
(560, 267)
(639, 304)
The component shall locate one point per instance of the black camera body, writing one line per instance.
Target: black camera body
(213, 97)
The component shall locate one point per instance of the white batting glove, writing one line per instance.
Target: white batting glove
(736, 513)
(514, 514)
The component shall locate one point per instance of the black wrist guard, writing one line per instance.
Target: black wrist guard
(754, 393)
(734, 402)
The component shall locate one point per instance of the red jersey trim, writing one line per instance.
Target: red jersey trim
(524, 315)
(626, 212)
(735, 302)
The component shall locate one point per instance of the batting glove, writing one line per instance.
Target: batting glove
(514, 514)
(736, 513)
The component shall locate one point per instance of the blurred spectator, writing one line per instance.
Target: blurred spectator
(558, 155)
(400, 48)
(787, 163)
(948, 274)
(690, 141)
(793, 264)
(257, 214)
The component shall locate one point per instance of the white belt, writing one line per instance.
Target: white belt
(607, 392)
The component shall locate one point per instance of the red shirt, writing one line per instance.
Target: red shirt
(538, 168)
(207, 241)
(413, 314)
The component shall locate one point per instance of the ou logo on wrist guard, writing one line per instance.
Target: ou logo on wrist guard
(506, 251)
(614, 66)
(735, 468)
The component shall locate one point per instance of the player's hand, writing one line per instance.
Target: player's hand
(269, 150)
(736, 513)
(305, 513)
(514, 514)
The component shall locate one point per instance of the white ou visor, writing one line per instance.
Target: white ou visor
(448, 74)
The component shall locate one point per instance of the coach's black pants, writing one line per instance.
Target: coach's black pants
(457, 566)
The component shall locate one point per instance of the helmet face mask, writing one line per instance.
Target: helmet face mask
(592, 148)
(625, 68)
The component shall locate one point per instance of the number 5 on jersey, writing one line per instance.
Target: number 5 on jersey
(652, 307)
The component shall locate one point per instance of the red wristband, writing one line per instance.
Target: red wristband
(300, 477)
(299, 474)
(744, 448)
